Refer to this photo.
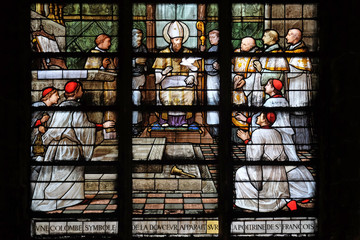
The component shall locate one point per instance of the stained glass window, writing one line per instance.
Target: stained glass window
(213, 137)
(74, 144)
(274, 83)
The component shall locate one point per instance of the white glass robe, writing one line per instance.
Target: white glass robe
(274, 67)
(262, 188)
(137, 81)
(301, 182)
(213, 86)
(299, 93)
(71, 136)
(36, 115)
(299, 76)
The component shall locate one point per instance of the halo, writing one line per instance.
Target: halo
(186, 32)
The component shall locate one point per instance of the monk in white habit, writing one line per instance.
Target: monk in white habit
(301, 181)
(176, 79)
(70, 137)
(262, 188)
(299, 80)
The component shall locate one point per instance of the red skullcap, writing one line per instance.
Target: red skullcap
(271, 117)
(71, 86)
(46, 91)
(277, 84)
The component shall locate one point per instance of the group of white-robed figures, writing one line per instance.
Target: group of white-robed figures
(67, 135)
(273, 81)
(269, 81)
(251, 74)
(177, 79)
(267, 188)
(71, 136)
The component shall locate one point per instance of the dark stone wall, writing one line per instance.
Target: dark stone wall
(339, 104)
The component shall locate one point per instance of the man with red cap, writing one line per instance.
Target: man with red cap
(39, 122)
(262, 188)
(70, 137)
(49, 97)
(301, 181)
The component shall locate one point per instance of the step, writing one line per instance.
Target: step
(180, 136)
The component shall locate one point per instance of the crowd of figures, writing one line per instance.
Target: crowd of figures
(268, 188)
(63, 136)
(68, 135)
(251, 75)
(273, 81)
(269, 81)
(176, 79)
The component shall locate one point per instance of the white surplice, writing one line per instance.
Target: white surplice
(71, 136)
(262, 188)
(301, 181)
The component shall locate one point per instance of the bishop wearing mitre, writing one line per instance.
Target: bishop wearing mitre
(177, 80)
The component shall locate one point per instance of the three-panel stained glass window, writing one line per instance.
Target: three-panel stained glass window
(221, 121)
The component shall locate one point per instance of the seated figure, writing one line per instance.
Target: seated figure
(177, 77)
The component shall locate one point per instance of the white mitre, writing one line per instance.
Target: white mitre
(176, 29)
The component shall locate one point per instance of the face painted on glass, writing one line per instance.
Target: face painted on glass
(136, 40)
(246, 45)
(54, 98)
(269, 88)
(267, 39)
(176, 44)
(292, 37)
(261, 120)
(79, 93)
(105, 44)
(214, 39)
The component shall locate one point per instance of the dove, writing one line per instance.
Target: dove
(188, 62)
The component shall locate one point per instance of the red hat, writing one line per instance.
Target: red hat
(71, 86)
(271, 117)
(278, 85)
(46, 91)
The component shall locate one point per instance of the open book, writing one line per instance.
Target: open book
(47, 44)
